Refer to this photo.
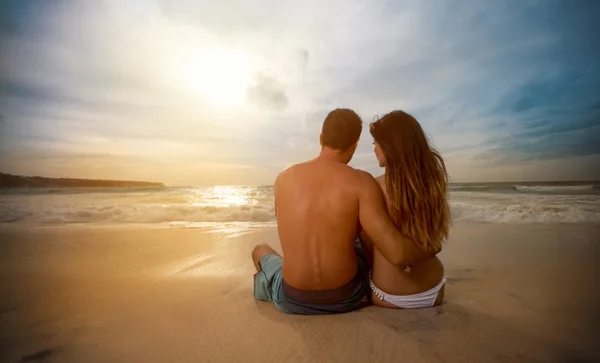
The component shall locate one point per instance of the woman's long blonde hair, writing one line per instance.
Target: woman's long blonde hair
(416, 180)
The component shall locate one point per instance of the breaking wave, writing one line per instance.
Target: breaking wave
(552, 188)
(138, 214)
(464, 211)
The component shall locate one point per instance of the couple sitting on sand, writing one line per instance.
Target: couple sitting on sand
(347, 236)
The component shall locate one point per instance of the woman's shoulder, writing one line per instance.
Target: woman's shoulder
(381, 181)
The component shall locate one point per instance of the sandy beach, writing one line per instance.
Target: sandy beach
(516, 293)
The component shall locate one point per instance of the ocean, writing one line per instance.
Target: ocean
(194, 207)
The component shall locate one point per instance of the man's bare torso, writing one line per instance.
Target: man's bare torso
(317, 218)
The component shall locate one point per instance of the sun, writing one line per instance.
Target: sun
(219, 75)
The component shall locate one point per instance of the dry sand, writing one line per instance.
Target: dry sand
(80, 294)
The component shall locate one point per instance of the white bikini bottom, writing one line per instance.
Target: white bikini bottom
(422, 300)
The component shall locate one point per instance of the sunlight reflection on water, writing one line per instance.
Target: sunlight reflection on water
(224, 196)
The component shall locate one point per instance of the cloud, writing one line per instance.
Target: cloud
(268, 94)
(551, 145)
(492, 84)
(549, 118)
(504, 88)
(303, 57)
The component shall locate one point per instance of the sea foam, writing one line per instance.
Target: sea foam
(193, 207)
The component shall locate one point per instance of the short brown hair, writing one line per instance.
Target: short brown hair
(341, 129)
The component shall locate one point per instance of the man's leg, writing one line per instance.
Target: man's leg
(268, 276)
(259, 251)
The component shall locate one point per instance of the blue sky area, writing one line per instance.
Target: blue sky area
(205, 92)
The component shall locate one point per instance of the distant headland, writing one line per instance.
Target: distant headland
(17, 181)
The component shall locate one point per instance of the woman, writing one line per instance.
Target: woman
(414, 184)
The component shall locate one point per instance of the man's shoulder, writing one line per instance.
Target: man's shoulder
(291, 168)
(364, 176)
(364, 181)
(289, 171)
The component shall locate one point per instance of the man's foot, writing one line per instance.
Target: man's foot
(259, 251)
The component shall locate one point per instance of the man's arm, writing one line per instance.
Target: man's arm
(374, 219)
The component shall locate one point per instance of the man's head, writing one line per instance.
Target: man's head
(341, 132)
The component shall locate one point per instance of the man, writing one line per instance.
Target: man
(320, 206)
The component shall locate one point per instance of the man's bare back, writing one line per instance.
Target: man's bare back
(317, 213)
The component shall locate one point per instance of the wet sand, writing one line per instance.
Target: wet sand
(516, 293)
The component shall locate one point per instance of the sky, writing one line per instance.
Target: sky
(231, 92)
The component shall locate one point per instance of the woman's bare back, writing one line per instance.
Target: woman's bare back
(400, 280)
